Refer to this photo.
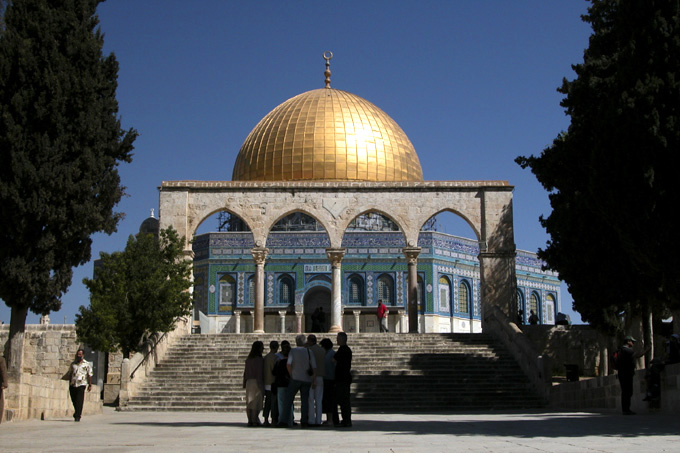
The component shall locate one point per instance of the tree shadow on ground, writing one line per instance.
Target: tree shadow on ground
(512, 425)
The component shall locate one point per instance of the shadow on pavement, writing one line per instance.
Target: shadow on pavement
(520, 425)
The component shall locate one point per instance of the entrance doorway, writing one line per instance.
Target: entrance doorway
(317, 303)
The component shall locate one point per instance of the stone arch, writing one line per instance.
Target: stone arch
(380, 212)
(294, 210)
(474, 228)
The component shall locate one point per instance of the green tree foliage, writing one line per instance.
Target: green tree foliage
(612, 175)
(136, 292)
(61, 143)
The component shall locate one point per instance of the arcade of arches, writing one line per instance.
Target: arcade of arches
(487, 206)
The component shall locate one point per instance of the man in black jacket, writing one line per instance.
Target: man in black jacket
(343, 379)
(625, 364)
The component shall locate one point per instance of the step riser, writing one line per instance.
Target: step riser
(392, 372)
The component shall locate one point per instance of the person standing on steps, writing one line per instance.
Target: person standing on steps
(343, 379)
(330, 406)
(282, 379)
(316, 393)
(270, 396)
(382, 316)
(302, 369)
(80, 378)
(253, 382)
(533, 318)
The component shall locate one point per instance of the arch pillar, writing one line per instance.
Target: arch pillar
(411, 254)
(357, 319)
(335, 255)
(237, 321)
(298, 321)
(282, 319)
(259, 256)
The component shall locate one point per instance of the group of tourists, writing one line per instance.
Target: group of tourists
(321, 375)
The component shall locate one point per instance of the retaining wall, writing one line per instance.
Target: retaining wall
(36, 390)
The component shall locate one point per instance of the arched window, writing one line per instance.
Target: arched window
(286, 292)
(356, 290)
(521, 307)
(386, 289)
(421, 295)
(533, 305)
(227, 293)
(251, 290)
(444, 293)
(464, 298)
(550, 309)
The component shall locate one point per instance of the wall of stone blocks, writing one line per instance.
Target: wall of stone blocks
(38, 391)
(575, 345)
(604, 393)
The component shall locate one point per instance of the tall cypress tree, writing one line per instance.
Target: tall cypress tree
(60, 145)
(612, 175)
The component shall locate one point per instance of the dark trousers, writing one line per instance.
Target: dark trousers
(271, 405)
(342, 397)
(285, 412)
(626, 382)
(330, 406)
(77, 398)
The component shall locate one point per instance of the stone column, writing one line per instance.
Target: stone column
(298, 321)
(282, 317)
(259, 256)
(402, 320)
(357, 319)
(411, 254)
(237, 321)
(336, 255)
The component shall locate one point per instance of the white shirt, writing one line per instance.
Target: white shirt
(80, 372)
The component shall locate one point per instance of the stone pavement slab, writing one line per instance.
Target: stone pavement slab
(477, 432)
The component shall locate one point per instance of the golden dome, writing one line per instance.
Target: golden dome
(327, 134)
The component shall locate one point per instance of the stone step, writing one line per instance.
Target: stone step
(392, 372)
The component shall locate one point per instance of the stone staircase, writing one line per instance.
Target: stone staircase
(392, 373)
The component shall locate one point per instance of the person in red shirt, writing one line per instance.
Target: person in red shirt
(382, 316)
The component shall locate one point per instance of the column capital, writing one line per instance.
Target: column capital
(335, 255)
(282, 313)
(411, 254)
(356, 312)
(259, 255)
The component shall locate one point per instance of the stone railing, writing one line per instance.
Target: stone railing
(536, 367)
(135, 370)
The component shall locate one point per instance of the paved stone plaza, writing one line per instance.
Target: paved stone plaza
(487, 432)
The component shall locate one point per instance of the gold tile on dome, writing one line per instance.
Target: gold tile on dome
(327, 126)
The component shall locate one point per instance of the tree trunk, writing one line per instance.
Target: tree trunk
(15, 343)
(649, 336)
(635, 329)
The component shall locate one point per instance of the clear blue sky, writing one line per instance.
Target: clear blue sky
(472, 83)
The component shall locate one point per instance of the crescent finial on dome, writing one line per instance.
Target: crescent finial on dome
(327, 55)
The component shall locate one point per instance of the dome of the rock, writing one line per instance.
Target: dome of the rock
(329, 135)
